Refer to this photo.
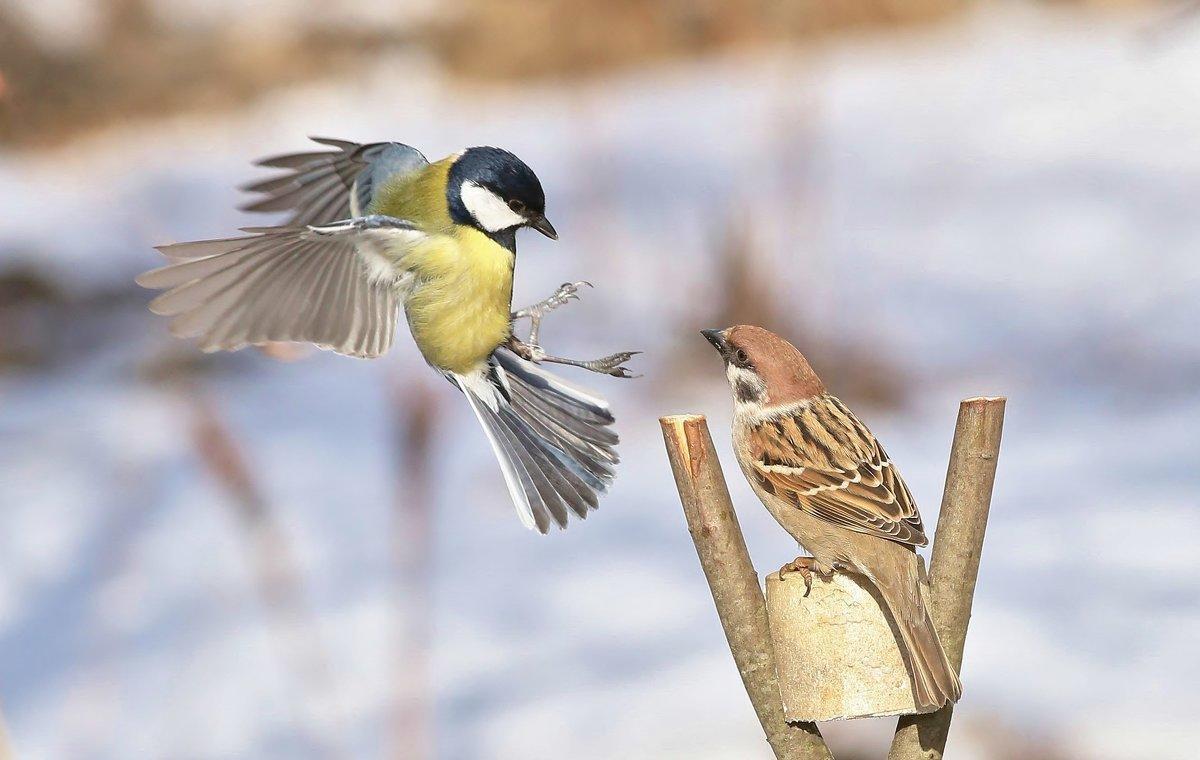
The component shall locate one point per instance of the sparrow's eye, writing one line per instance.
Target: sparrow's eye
(741, 356)
(517, 206)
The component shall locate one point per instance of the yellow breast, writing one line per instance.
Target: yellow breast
(459, 308)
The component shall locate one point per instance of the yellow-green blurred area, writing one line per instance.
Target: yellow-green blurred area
(283, 553)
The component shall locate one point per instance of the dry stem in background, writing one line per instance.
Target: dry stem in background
(414, 417)
(277, 574)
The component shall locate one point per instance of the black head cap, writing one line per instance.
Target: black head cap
(508, 178)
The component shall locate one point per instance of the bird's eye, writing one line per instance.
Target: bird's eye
(741, 356)
(517, 206)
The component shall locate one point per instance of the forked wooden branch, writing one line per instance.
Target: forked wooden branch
(954, 565)
(954, 569)
(733, 581)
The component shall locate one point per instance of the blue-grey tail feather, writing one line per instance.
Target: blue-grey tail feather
(553, 440)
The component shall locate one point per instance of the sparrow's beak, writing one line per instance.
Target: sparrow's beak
(543, 225)
(717, 338)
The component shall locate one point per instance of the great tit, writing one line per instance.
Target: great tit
(375, 227)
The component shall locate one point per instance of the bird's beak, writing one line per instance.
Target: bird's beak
(717, 338)
(543, 225)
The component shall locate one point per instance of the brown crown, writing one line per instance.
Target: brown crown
(787, 374)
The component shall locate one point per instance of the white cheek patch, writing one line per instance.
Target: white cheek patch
(748, 390)
(738, 374)
(488, 209)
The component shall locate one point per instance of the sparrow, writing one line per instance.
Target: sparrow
(825, 478)
(375, 228)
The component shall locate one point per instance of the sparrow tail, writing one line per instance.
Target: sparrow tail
(934, 680)
(553, 441)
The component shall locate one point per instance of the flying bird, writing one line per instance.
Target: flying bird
(375, 228)
(826, 479)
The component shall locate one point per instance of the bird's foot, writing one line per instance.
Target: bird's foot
(608, 365)
(535, 313)
(566, 292)
(530, 352)
(806, 567)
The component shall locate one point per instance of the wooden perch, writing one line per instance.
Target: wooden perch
(862, 674)
(733, 581)
(837, 656)
(954, 565)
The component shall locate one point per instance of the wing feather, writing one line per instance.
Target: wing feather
(319, 186)
(823, 460)
(305, 284)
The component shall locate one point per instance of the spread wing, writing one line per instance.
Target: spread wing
(325, 185)
(323, 285)
(823, 460)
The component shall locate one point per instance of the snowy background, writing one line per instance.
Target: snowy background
(1002, 204)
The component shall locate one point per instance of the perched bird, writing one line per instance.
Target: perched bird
(821, 474)
(377, 227)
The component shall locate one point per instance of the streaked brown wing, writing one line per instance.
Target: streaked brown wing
(824, 460)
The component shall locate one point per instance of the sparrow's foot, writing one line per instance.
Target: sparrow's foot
(535, 313)
(806, 567)
(802, 565)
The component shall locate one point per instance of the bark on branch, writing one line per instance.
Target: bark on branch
(733, 581)
(954, 565)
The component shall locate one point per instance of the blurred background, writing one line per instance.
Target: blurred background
(291, 554)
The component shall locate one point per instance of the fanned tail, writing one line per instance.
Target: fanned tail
(553, 440)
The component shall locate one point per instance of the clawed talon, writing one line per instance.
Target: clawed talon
(535, 313)
(802, 565)
(566, 292)
(530, 349)
(611, 365)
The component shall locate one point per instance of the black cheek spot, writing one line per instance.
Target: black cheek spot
(745, 390)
